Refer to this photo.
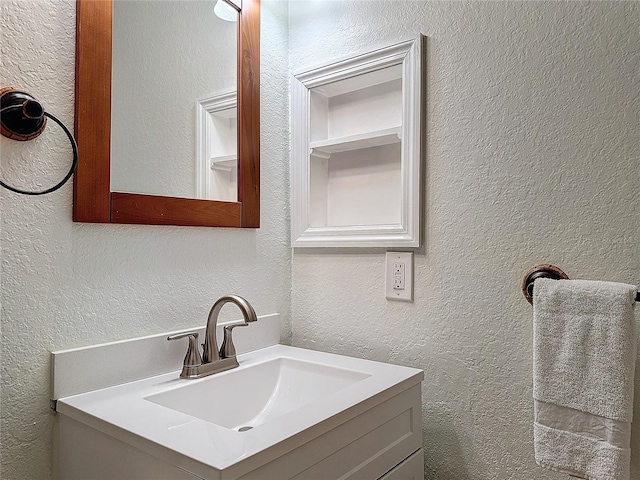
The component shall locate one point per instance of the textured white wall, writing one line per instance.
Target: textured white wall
(532, 157)
(67, 284)
(532, 124)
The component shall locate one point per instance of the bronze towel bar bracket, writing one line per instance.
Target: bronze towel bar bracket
(544, 271)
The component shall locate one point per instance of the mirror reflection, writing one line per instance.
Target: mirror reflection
(173, 119)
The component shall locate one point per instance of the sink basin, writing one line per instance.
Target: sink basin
(230, 423)
(259, 393)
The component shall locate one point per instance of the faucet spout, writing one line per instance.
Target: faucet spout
(210, 347)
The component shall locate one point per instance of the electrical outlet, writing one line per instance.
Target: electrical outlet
(399, 276)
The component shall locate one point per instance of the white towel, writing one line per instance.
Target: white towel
(583, 366)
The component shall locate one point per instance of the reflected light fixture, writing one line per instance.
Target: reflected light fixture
(225, 11)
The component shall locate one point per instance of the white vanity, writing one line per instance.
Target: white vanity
(284, 413)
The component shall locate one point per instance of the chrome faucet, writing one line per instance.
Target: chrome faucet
(214, 360)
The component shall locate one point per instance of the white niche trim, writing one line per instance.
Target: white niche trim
(216, 147)
(355, 164)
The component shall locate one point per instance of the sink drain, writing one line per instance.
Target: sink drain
(244, 429)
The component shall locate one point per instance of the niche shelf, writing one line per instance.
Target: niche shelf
(216, 147)
(224, 163)
(355, 165)
(356, 142)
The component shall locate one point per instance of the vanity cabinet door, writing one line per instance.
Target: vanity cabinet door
(367, 446)
(86, 453)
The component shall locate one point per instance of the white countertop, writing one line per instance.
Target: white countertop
(204, 448)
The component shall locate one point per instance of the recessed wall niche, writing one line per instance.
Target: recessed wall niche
(356, 150)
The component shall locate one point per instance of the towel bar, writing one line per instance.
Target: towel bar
(544, 271)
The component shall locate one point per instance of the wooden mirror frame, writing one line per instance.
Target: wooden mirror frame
(93, 200)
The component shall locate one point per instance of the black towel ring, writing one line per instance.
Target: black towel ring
(26, 120)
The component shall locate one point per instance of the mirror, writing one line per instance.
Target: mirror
(172, 59)
(99, 195)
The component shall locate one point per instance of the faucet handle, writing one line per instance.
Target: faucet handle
(227, 349)
(192, 358)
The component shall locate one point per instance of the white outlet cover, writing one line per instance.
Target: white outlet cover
(406, 258)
